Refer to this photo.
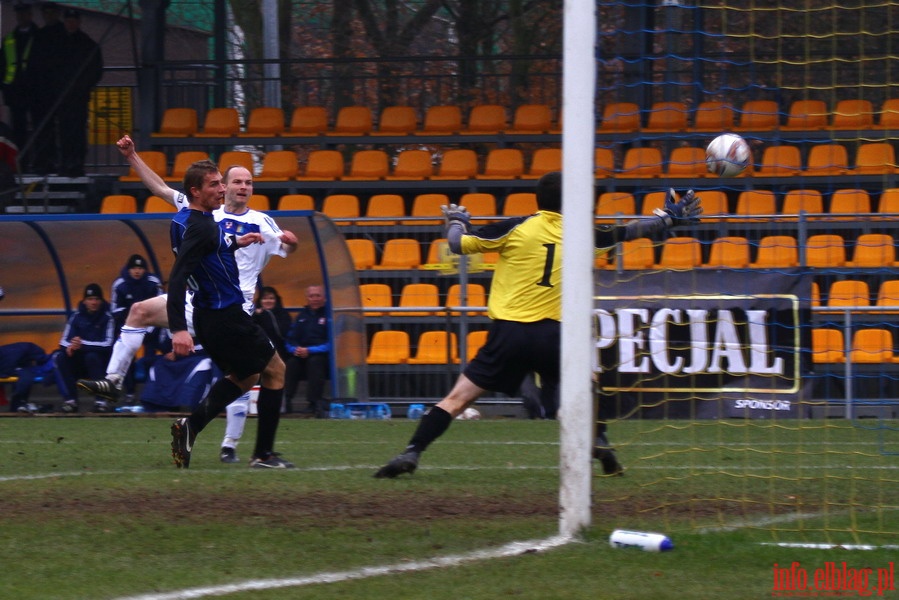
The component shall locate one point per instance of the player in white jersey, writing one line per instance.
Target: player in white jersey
(234, 217)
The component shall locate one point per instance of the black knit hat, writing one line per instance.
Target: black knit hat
(93, 290)
(137, 260)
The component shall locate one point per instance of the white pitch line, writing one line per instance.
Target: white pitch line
(830, 546)
(510, 549)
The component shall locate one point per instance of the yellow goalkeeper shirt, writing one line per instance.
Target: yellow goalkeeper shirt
(526, 284)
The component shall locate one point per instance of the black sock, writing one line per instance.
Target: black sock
(268, 407)
(223, 393)
(431, 427)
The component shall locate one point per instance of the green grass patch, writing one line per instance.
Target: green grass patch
(93, 508)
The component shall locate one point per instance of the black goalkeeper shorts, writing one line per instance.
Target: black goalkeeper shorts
(512, 351)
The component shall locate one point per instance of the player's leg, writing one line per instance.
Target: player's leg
(143, 315)
(317, 367)
(602, 449)
(432, 425)
(268, 409)
(234, 425)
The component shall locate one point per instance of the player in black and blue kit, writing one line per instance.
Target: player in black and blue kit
(206, 264)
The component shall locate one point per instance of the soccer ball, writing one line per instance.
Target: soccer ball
(727, 155)
(469, 414)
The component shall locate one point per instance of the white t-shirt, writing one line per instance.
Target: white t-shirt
(253, 258)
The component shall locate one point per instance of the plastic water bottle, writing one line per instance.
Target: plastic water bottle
(415, 411)
(650, 542)
(137, 408)
(338, 411)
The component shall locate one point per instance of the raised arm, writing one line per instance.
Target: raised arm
(148, 177)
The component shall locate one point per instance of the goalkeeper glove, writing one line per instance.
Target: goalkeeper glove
(685, 211)
(456, 214)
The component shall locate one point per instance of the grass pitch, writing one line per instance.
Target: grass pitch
(93, 508)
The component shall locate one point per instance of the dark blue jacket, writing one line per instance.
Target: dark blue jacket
(94, 329)
(310, 330)
(126, 290)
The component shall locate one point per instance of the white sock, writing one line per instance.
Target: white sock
(123, 352)
(237, 419)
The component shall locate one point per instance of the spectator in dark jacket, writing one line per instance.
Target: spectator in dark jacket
(273, 318)
(134, 284)
(309, 344)
(24, 360)
(85, 347)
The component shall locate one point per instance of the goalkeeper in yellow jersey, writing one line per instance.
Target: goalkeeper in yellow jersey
(525, 303)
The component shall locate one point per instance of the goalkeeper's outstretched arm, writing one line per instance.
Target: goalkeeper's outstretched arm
(677, 213)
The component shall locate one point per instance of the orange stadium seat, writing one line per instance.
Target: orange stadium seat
(442, 120)
(118, 203)
(850, 204)
(827, 159)
(875, 158)
(620, 117)
(642, 162)
(368, 165)
(848, 292)
(755, 202)
(412, 165)
(873, 250)
(680, 253)
(457, 163)
(479, 204)
(259, 202)
(603, 163)
(758, 115)
(384, 205)
(853, 114)
(362, 250)
(341, 206)
(728, 252)
(307, 121)
(543, 161)
(714, 202)
(780, 161)
(798, 201)
(427, 205)
(177, 122)
(436, 348)
(828, 346)
(713, 116)
(352, 120)
(613, 205)
(220, 122)
(418, 295)
(825, 250)
(241, 158)
(637, 254)
(666, 116)
(807, 115)
(776, 252)
(687, 161)
(279, 165)
(518, 204)
(323, 165)
(377, 295)
(388, 347)
(182, 161)
(531, 118)
(155, 204)
(397, 120)
(473, 343)
(872, 345)
(503, 163)
(486, 118)
(400, 253)
(889, 202)
(296, 202)
(264, 121)
(889, 115)
(475, 294)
